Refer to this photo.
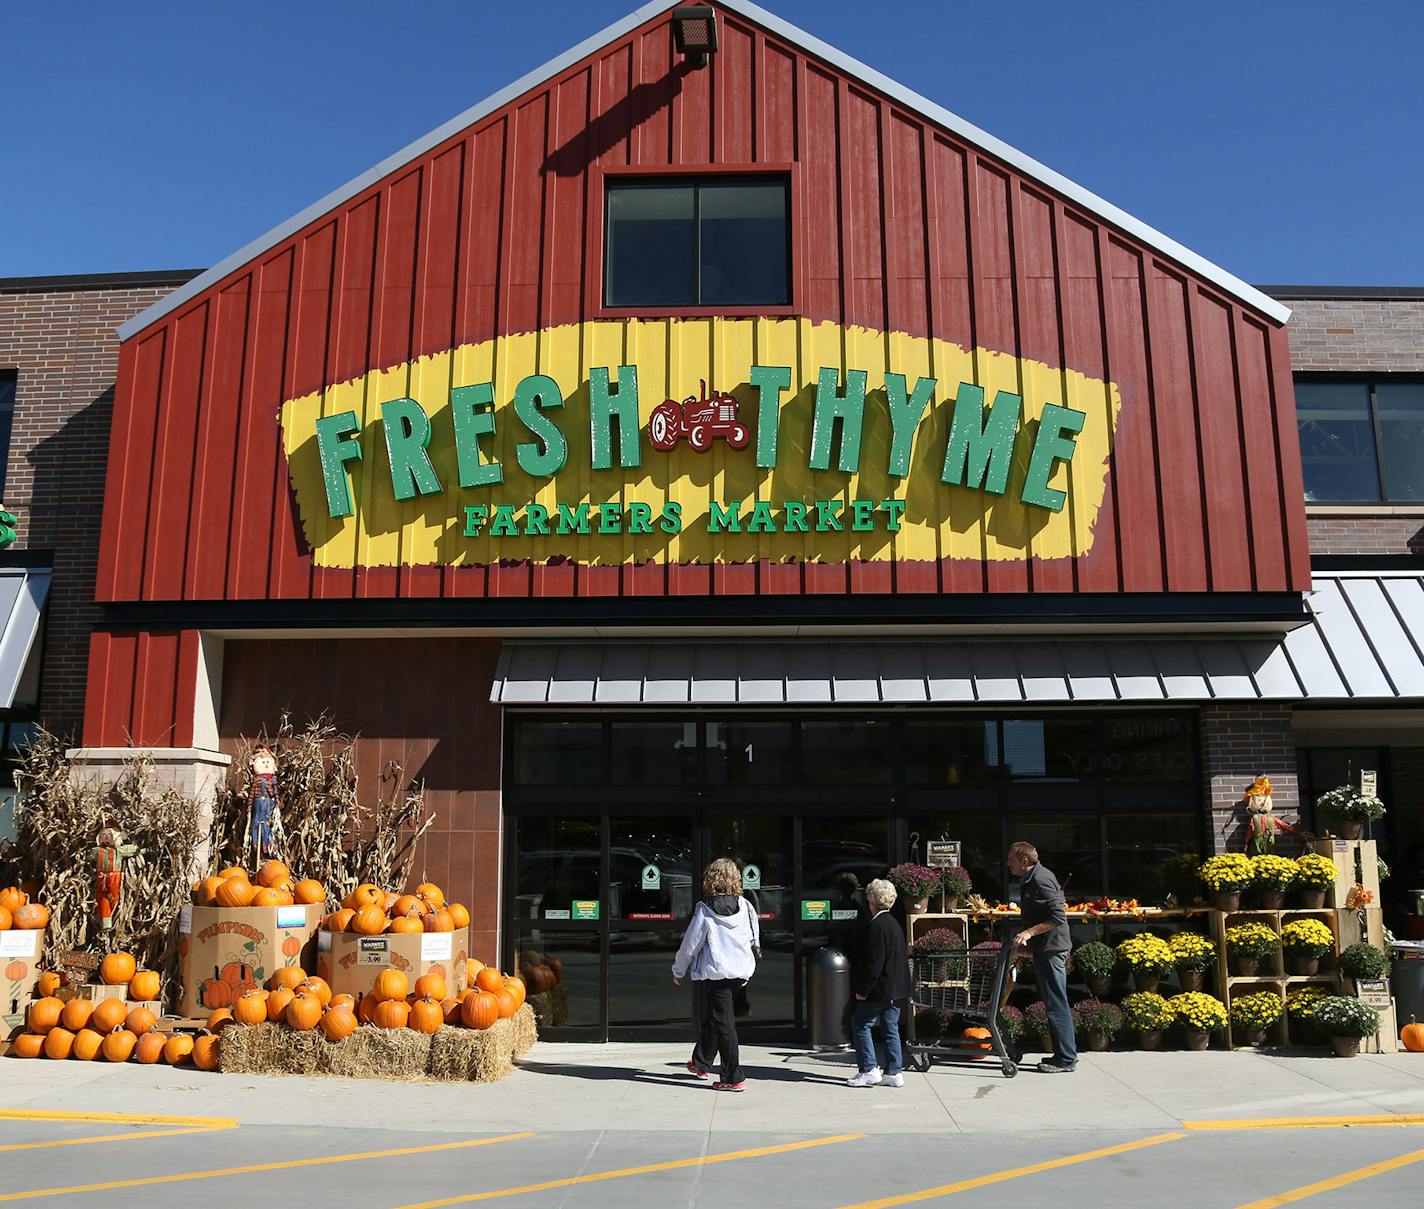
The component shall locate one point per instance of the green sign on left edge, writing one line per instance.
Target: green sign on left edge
(7, 528)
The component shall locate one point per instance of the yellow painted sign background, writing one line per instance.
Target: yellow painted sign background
(671, 356)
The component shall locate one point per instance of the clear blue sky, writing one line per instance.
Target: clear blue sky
(1283, 139)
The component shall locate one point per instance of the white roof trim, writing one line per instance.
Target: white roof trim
(1030, 167)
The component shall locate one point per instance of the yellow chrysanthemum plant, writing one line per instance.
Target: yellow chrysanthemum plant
(1254, 1013)
(1248, 944)
(1225, 876)
(1147, 957)
(1307, 938)
(1199, 1015)
(1315, 876)
(1192, 955)
(1271, 876)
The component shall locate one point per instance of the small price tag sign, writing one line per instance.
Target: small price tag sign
(372, 951)
(1373, 991)
(942, 854)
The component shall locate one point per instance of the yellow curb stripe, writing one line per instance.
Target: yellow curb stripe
(283, 1166)
(1014, 1173)
(622, 1173)
(1307, 1122)
(115, 1137)
(1336, 1181)
(114, 1118)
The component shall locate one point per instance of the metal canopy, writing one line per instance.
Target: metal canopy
(22, 597)
(1365, 642)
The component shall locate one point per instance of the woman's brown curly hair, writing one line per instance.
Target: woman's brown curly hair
(722, 877)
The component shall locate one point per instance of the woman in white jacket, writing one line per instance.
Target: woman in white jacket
(720, 950)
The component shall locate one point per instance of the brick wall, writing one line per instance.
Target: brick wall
(1359, 335)
(1239, 741)
(1406, 797)
(60, 338)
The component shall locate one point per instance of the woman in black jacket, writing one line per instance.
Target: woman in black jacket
(880, 978)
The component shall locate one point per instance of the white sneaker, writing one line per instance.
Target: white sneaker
(893, 1081)
(866, 1078)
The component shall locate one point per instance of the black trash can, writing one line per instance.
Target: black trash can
(1406, 980)
(827, 994)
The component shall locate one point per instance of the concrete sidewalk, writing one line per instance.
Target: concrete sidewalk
(646, 1088)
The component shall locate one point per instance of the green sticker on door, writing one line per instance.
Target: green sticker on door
(816, 909)
(585, 908)
(751, 877)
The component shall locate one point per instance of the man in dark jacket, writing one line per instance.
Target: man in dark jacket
(880, 978)
(1045, 933)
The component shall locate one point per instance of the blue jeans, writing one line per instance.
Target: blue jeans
(1051, 971)
(862, 1031)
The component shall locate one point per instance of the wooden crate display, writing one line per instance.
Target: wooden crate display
(1272, 975)
(1356, 863)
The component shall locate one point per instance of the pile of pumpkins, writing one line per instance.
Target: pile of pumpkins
(304, 1002)
(369, 911)
(17, 911)
(113, 1029)
(540, 971)
(271, 886)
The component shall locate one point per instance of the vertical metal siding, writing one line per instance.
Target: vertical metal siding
(900, 226)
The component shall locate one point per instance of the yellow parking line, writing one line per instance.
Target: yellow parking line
(673, 1165)
(114, 1137)
(1308, 1122)
(283, 1166)
(1014, 1173)
(1336, 1181)
(116, 1118)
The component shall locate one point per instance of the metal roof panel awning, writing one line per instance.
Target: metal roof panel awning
(22, 596)
(1365, 642)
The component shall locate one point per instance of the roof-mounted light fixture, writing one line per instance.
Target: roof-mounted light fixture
(694, 32)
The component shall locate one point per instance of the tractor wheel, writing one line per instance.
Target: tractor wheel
(700, 438)
(663, 427)
(739, 436)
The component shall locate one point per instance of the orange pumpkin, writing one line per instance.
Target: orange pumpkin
(556, 966)
(140, 1021)
(366, 1010)
(29, 917)
(303, 1013)
(271, 873)
(508, 1004)
(982, 1035)
(318, 987)
(426, 1015)
(44, 1014)
(119, 1045)
(439, 921)
(287, 978)
(76, 1014)
(391, 984)
(6, 919)
(58, 1043)
(108, 1015)
(205, 894)
(233, 871)
(178, 1049)
(117, 968)
(206, 1049)
(277, 1003)
(337, 1023)
(431, 984)
(516, 985)
(365, 895)
(473, 966)
(219, 1020)
(343, 1001)
(489, 979)
(388, 900)
(407, 924)
(251, 1008)
(87, 1044)
(309, 891)
(150, 1047)
(479, 1010)
(267, 898)
(12, 898)
(408, 904)
(145, 985)
(460, 914)
(27, 1045)
(391, 1013)
(450, 1009)
(431, 893)
(369, 921)
(235, 892)
(50, 981)
(1412, 1034)
(339, 921)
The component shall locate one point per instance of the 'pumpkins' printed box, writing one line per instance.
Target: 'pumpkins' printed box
(225, 950)
(350, 962)
(19, 968)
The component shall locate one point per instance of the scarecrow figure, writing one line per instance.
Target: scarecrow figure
(1261, 824)
(263, 820)
(108, 870)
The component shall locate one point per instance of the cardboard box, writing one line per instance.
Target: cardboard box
(224, 949)
(19, 968)
(350, 963)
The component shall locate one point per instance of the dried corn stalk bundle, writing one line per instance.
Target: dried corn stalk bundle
(327, 832)
(56, 825)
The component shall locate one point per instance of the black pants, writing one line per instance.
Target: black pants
(719, 1027)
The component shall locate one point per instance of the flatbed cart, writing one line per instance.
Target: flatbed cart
(971, 984)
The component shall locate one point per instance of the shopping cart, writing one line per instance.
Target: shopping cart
(971, 986)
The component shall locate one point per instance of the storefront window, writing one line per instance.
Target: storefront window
(654, 753)
(574, 998)
(750, 753)
(556, 864)
(557, 753)
(1056, 749)
(1139, 845)
(981, 840)
(1070, 845)
(1149, 747)
(950, 752)
(847, 753)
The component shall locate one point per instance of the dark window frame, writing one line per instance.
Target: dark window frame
(596, 236)
(9, 377)
(1370, 381)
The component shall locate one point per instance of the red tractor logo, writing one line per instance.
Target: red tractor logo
(699, 420)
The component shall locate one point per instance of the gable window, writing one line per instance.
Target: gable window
(713, 241)
(7, 418)
(1361, 439)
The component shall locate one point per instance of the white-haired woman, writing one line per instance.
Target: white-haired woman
(720, 950)
(880, 978)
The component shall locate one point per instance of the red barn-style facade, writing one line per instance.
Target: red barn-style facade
(666, 460)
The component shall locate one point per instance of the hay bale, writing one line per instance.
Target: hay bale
(525, 1031)
(269, 1049)
(380, 1053)
(482, 1055)
(551, 1008)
